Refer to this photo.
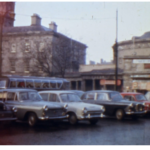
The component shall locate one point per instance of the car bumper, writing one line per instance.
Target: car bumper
(91, 116)
(8, 119)
(136, 113)
(53, 118)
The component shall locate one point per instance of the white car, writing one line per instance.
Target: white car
(77, 110)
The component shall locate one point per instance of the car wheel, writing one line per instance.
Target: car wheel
(119, 114)
(72, 118)
(32, 119)
(93, 121)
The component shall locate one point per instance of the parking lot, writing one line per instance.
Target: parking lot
(108, 131)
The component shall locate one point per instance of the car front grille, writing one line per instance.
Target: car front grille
(55, 112)
(139, 107)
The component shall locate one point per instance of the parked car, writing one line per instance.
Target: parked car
(114, 104)
(7, 113)
(31, 107)
(78, 92)
(77, 110)
(138, 97)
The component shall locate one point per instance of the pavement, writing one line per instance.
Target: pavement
(108, 131)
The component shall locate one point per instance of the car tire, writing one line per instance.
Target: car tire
(119, 114)
(93, 121)
(32, 119)
(72, 119)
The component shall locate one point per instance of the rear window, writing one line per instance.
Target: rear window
(140, 97)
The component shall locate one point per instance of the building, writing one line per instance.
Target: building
(21, 43)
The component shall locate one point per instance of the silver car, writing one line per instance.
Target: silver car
(77, 110)
(31, 107)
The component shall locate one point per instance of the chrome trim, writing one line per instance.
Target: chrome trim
(91, 116)
(51, 118)
(136, 113)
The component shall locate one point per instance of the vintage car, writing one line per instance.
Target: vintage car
(114, 104)
(31, 107)
(77, 110)
(7, 113)
(138, 97)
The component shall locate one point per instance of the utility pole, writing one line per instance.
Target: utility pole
(116, 52)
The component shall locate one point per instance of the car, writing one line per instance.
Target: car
(31, 107)
(78, 92)
(138, 97)
(7, 113)
(77, 110)
(114, 104)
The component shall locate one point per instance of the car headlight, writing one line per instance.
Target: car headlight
(84, 110)
(66, 106)
(14, 109)
(103, 108)
(144, 104)
(131, 105)
(45, 108)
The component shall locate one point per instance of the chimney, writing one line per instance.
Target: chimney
(53, 26)
(36, 20)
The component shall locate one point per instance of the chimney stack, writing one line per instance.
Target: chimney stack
(36, 20)
(53, 26)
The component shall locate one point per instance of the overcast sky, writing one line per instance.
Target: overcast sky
(92, 23)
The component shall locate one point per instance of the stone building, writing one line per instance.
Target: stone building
(19, 43)
(134, 60)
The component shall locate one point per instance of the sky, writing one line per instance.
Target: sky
(91, 23)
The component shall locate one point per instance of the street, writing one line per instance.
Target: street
(108, 131)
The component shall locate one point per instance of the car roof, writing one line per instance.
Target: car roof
(16, 90)
(58, 92)
(130, 93)
(100, 91)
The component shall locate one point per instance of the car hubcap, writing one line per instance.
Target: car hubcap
(31, 120)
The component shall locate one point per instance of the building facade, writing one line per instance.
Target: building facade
(21, 43)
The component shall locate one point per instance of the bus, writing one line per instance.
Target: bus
(37, 83)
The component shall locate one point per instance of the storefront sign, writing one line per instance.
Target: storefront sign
(141, 85)
(109, 82)
(146, 66)
(141, 61)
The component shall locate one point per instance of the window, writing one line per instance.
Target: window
(128, 97)
(42, 46)
(59, 84)
(10, 96)
(13, 48)
(12, 66)
(13, 84)
(44, 96)
(37, 84)
(40, 69)
(45, 85)
(102, 96)
(26, 67)
(2, 83)
(53, 84)
(29, 84)
(88, 96)
(20, 84)
(53, 98)
(27, 47)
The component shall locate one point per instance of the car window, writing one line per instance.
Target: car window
(88, 96)
(44, 96)
(10, 96)
(34, 96)
(129, 97)
(115, 96)
(53, 98)
(102, 96)
(140, 97)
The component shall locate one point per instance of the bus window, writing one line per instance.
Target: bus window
(20, 84)
(53, 84)
(37, 84)
(2, 83)
(59, 84)
(12, 83)
(29, 84)
(45, 85)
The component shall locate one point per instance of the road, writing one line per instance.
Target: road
(108, 131)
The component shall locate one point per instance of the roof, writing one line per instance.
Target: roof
(21, 29)
(16, 90)
(58, 92)
(146, 35)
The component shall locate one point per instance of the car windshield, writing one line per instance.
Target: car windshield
(115, 96)
(29, 96)
(140, 97)
(70, 97)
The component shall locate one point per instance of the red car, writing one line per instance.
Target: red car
(139, 97)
